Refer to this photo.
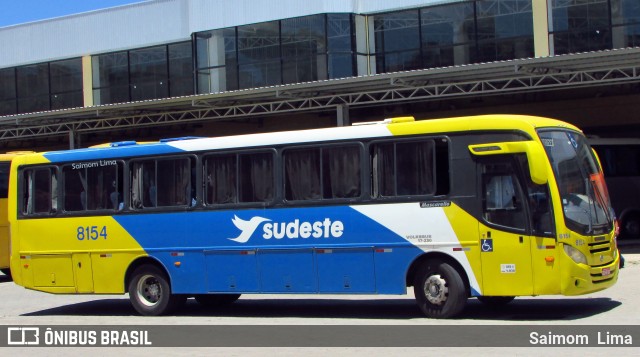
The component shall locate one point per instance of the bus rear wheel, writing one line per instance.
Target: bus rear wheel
(630, 227)
(213, 300)
(150, 292)
(439, 290)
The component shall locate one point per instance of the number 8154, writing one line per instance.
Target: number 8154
(91, 232)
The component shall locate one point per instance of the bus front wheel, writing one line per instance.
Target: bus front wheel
(150, 292)
(439, 290)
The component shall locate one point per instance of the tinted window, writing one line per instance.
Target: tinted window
(163, 183)
(90, 186)
(39, 191)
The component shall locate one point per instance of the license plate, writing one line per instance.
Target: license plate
(606, 271)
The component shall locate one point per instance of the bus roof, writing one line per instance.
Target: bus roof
(401, 127)
(8, 156)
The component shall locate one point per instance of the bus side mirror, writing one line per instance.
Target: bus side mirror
(535, 156)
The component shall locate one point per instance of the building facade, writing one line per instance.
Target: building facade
(156, 51)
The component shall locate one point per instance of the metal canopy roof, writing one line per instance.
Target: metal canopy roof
(602, 68)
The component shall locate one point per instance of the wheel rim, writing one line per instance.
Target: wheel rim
(632, 227)
(435, 290)
(149, 290)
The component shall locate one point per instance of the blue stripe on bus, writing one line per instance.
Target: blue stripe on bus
(111, 153)
(275, 250)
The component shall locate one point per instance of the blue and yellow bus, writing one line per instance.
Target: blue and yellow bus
(490, 207)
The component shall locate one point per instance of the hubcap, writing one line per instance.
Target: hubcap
(435, 290)
(149, 290)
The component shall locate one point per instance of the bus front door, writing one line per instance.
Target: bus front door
(505, 246)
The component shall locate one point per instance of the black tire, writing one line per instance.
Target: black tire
(439, 290)
(496, 301)
(630, 227)
(213, 300)
(6, 272)
(150, 292)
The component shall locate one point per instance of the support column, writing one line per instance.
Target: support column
(342, 113)
(87, 81)
(72, 140)
(541, 28)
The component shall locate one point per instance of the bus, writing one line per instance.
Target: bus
(489, 207)
(620, 159)
(5, 163)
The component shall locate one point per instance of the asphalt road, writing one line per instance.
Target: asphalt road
(616, 306)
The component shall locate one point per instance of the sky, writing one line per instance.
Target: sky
(13, 12)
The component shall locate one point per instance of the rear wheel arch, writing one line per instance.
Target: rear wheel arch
(138, 262)
(439, 256)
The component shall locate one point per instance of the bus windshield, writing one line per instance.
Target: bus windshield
(585, 199)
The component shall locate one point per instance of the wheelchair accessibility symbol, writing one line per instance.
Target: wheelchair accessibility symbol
(487, 245)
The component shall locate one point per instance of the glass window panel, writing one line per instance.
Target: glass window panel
(110, 69)
(8, 107)
(447, 55)
(414, 168)
(302, 174)
(258, 42)
(39, 191)
(505, 29)
(259, 74)
(149, 73)
(33, 104)
(304, 69)
(339, 33)
(341, 172)
(629, 36)
(180, 69)
(340, 66)
(399, 61)
(33, 80)
(397, 31)
(7, 84)
(580, 26)
(66, 76)
(625, 11)
(217, 61)
(303, 36)
(221, 179)
(174, 182)
(67, 100)
(115, 94)
(215, 48)
(256, 177)
(447, 25)
(383, 164)
(220, 79)
(92, 187)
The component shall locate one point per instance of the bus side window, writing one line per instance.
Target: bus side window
(405, 168)
(40, 187)
(256, 177)
(220, 179)
(162, 183)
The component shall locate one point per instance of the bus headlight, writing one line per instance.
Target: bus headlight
(575, 254)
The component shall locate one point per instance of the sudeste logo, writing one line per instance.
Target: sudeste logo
(292, 229)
